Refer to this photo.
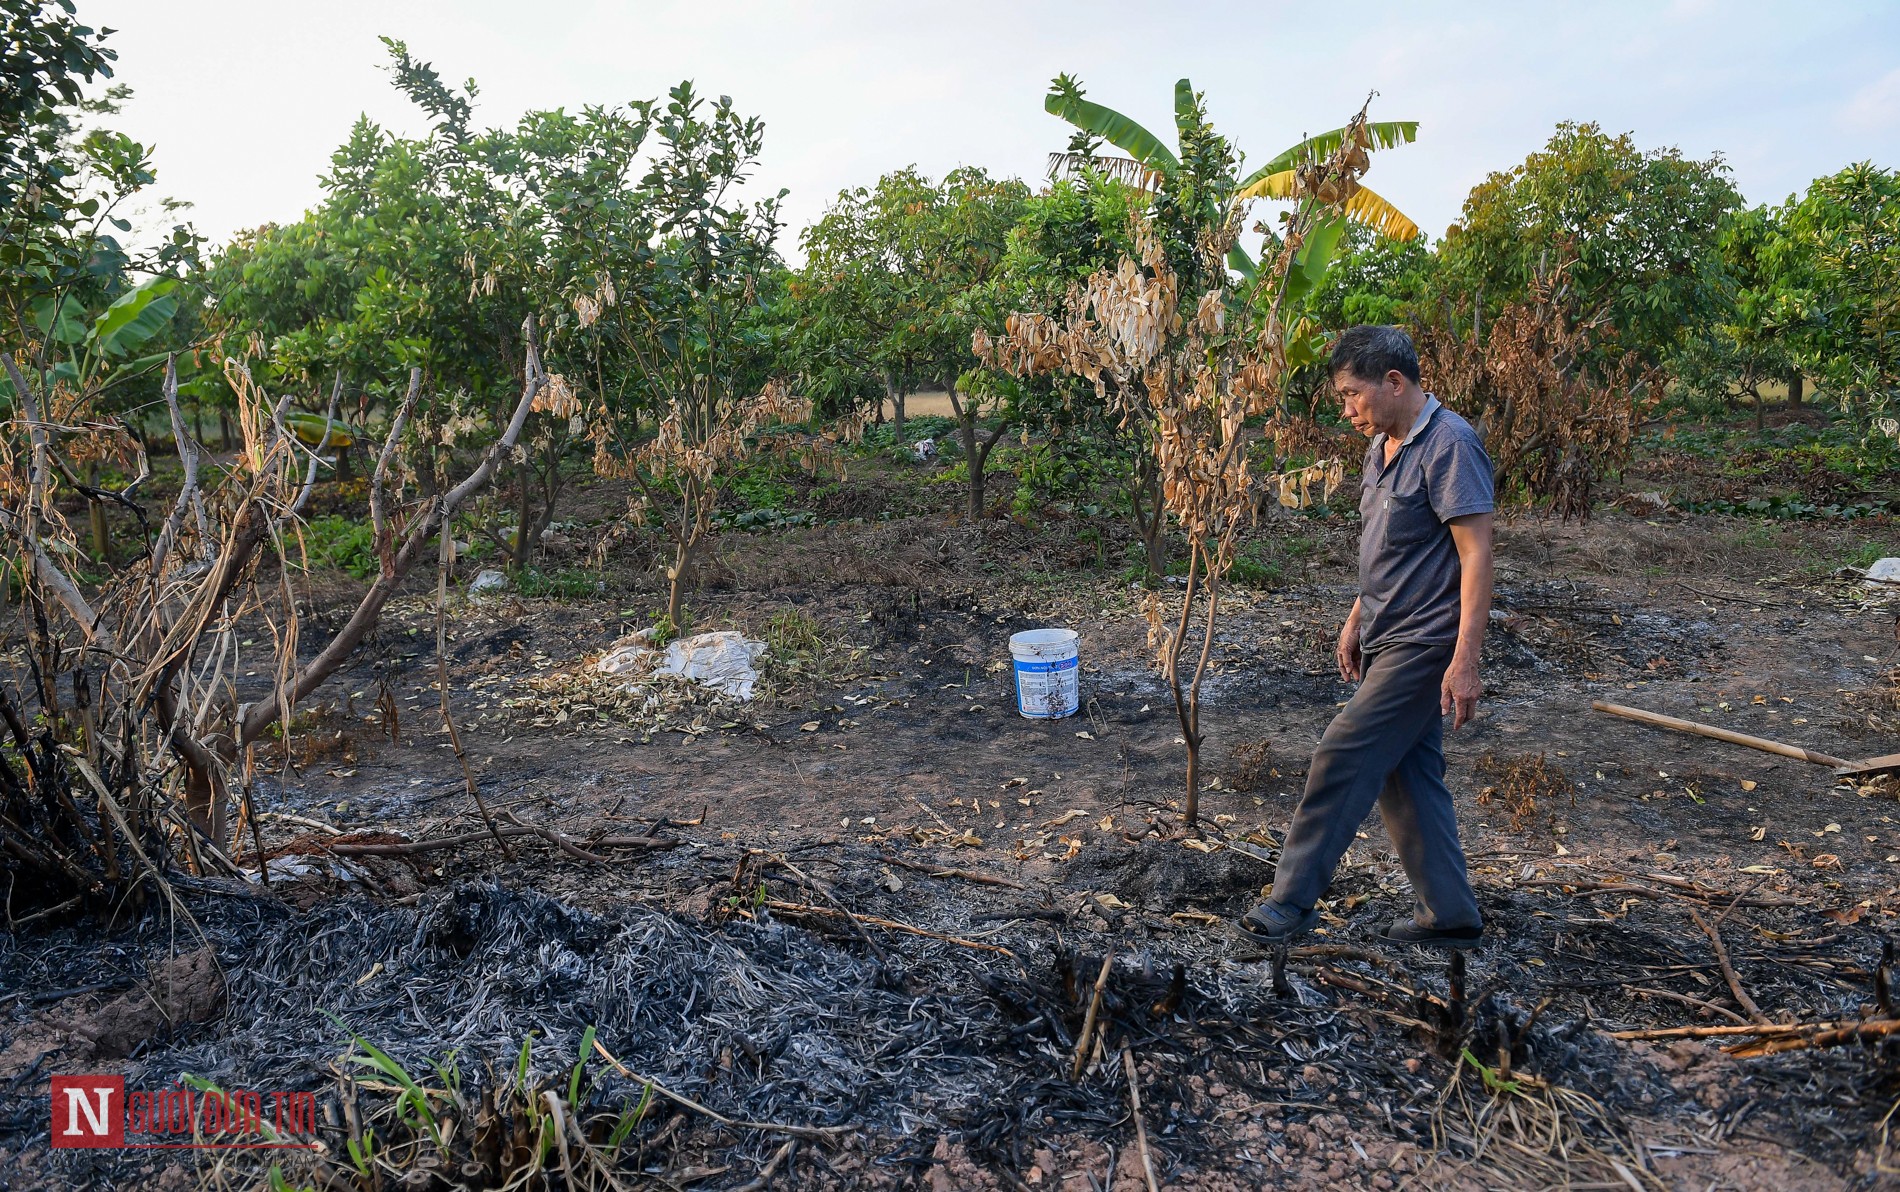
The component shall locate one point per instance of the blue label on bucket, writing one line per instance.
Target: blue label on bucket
(1038, 668)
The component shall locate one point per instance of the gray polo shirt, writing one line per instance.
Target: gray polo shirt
(1408, 565)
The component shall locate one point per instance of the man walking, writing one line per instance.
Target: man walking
(1412, 641)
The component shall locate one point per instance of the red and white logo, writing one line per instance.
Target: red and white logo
(88, 1111)
(96, 1111)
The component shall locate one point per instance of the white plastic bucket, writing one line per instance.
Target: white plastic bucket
(1047, 673)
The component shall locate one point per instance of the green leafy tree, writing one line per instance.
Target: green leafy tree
(81, 307)
(46, 55)
(1838, 256)
(1637, 232)
(1073, 228)
(1752, 340)
(864, 300)
(897, 276)
(676, 310)
(430, 253)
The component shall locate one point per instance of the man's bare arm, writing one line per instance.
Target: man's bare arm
(1347, 654)
(1471, 534)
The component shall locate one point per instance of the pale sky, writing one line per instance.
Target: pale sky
(246, 99)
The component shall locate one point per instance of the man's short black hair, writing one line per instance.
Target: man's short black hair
(1369, 352)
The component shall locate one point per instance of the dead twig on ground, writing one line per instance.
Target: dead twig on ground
(1760, 1030)
(715, 1115)
(766, 1173)
(1685, 999)
(1088, 1019)
(1834, 1037)
(408, 847)
(1728, 970)
(883, 957)
(1134, 1109)
(1679, 888)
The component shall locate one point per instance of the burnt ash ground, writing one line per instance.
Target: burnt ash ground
(954, 1061)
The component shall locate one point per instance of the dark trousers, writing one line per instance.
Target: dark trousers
(1386, 745)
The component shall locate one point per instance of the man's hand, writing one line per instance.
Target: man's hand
(1471, 534)
(1458, 696)
(1347, 653)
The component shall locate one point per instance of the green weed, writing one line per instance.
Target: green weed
(341, 543)
(665, 629)
(567, 583)
(409, 1130)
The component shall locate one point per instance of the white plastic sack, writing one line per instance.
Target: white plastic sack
(725, 660)
(1884, 571)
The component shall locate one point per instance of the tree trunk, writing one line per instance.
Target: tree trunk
(1797, 386)
(96, 514)
(224, 430)
(523, 515)
(1144, 494)
(973, 460)
(1191, 810)
(677, 579)
(895, 396)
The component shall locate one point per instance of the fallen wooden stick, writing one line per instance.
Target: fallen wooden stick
(799, 908)
(1134, 1105)
(883, 957)
(1835, 1037)
(1760, 1030)
(1720, 734)
(1586, 886)
(1873, 765)
(1685, 999)
(1728, 970)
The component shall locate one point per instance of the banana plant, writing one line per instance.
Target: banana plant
(90, 345)
(1289, 175)
(1150, 162)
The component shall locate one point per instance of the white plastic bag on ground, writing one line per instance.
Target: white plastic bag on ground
(724, 660)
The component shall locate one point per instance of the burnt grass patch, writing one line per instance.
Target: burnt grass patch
(812, 955)
(936, 1056)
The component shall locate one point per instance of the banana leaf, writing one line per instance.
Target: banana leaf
(1366, 206)
(1113, 127)
(1385, 134)
(59, 320)
(316, 431)
(137, 315)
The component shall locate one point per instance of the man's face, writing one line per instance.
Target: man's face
(1371, 406)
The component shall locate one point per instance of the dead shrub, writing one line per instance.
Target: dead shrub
(1556, 416)
(1518, 784)
(1875, 710)
(1250, 764)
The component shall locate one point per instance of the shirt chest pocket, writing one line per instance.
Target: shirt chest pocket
(1409, 518)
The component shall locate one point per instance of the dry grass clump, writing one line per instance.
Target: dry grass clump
(1518, 784)
(1250, 764)
(1873, 711)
